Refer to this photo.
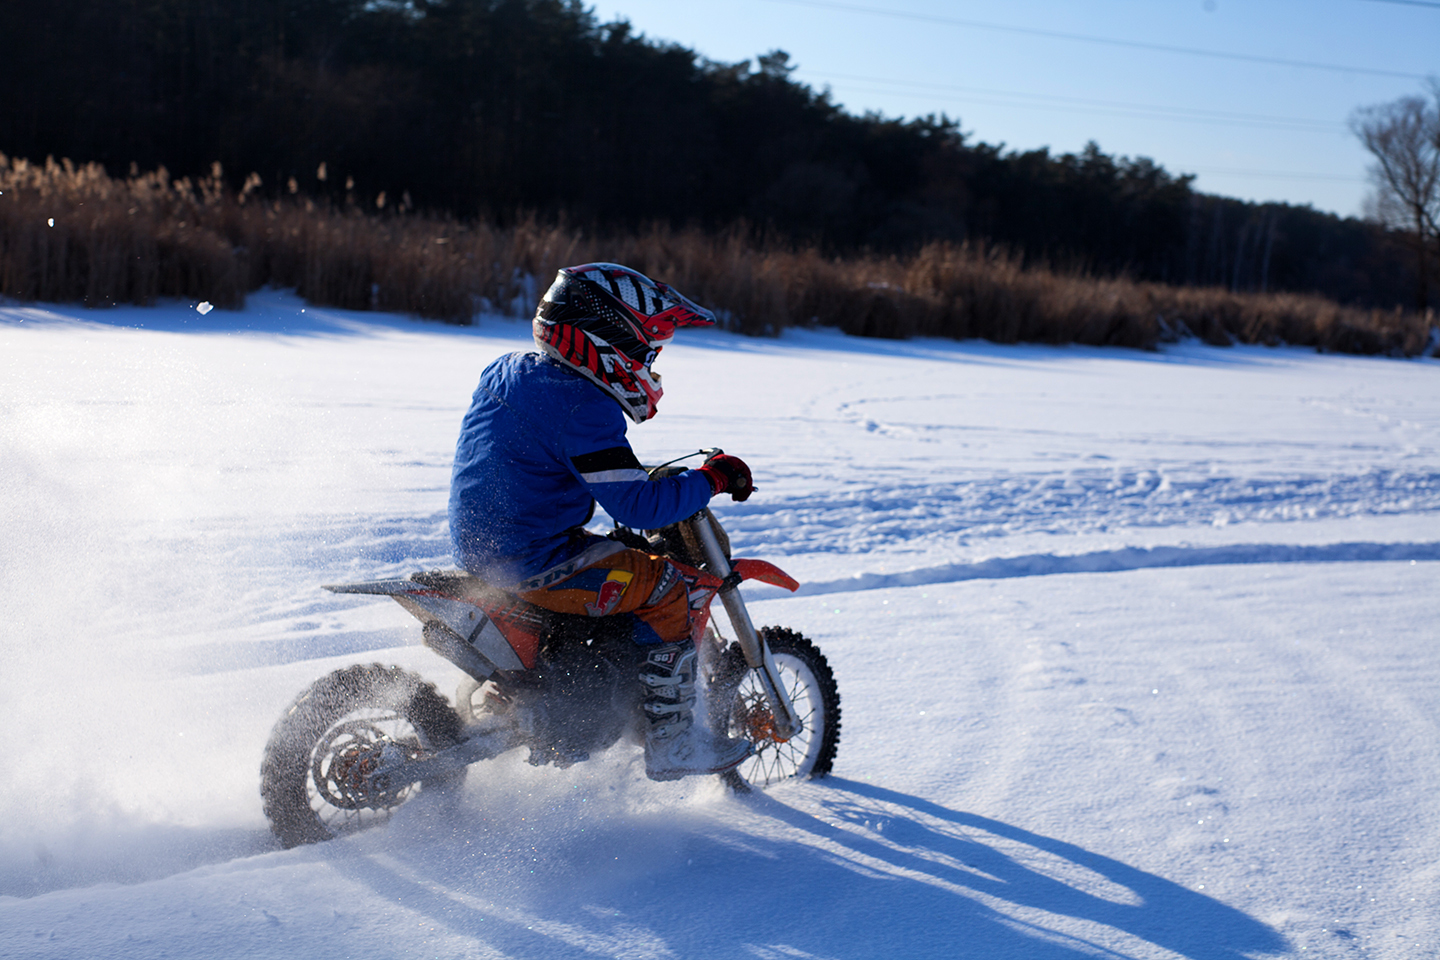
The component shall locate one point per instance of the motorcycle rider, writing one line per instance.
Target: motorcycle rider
(544, 441)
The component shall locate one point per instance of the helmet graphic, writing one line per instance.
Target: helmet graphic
(609, 322)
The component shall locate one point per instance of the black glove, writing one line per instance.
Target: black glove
(728, 473)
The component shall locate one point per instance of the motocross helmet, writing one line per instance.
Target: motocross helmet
(608, 323)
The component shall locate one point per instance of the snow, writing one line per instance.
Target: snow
(1135, 650)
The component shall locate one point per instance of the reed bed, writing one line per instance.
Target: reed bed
(72, 233)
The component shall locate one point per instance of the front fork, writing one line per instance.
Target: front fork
(752, 644)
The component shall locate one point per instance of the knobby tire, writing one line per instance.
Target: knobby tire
(740, 709)
(357, 702)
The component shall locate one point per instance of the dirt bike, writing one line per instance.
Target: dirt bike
(361, 741)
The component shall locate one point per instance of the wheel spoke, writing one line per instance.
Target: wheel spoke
(801, 668)
(342, 798)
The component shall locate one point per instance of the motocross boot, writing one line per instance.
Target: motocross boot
(674, 746)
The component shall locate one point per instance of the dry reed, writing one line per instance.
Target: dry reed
(74, 234)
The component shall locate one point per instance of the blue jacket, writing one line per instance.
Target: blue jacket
(538, 448)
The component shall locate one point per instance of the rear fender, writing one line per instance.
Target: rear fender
(468, 620)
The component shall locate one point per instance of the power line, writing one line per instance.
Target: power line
(1104, 107)
(1183, 114)
(1109, 41)
(1411, 3)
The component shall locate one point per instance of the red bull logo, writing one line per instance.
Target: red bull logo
(607, 598)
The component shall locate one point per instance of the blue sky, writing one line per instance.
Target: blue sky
(1251, 96)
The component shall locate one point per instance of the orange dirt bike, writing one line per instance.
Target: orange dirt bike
(360, 742)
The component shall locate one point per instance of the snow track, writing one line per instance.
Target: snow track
(1136, 651)
(861, 520)
(1129, 558)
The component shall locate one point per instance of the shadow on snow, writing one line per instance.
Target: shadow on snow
(863, 872)
(873, 873)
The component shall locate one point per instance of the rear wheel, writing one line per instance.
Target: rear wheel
(741, 709)
(314, 779)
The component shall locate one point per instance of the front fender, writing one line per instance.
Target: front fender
(765, 572)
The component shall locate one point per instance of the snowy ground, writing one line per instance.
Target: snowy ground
(1137, 651)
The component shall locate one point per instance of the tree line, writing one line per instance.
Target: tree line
(496, 110)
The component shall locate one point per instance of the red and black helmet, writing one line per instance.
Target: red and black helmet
(609, 322)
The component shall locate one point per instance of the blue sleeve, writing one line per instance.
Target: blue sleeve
(601, 457)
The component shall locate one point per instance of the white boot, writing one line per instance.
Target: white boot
(674, 746)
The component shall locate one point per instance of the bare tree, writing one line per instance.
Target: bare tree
(1404, 138)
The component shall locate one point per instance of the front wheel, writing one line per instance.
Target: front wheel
(314, 779)
(739, 706)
